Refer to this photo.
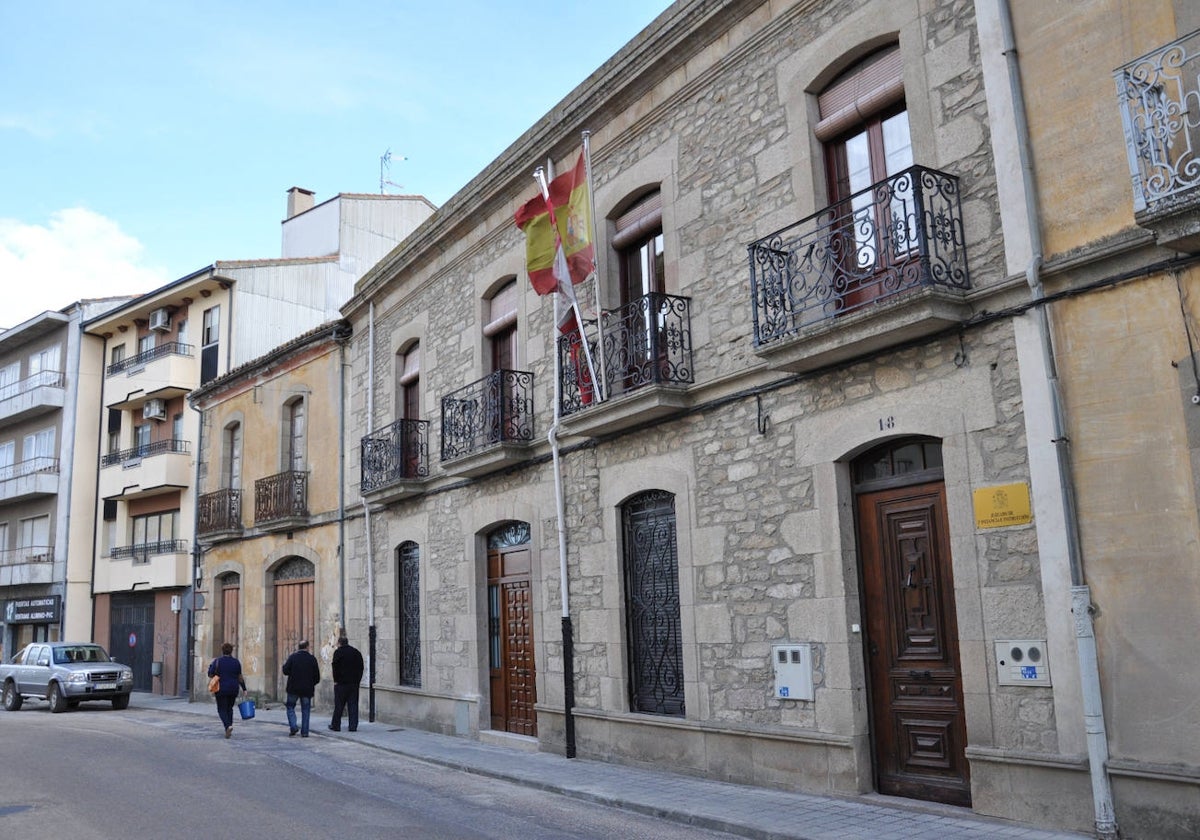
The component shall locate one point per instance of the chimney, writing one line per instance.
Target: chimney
(299, 200)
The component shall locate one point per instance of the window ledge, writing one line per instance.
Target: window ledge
(488, 460)
(627, 410)
(888, 323)
(402, 488)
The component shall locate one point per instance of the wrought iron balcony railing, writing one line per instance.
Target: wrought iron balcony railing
(281, 496)
(646, 342)
(26, 554)
(167, 349)
(397, 452)
(159, 447)
(219, 511)
(496, 409)
(1159, 96)
(900, 234)
(41, 379)
(30, 466)
(142, 552)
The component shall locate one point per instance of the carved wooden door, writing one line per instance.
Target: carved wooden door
(912, 645)
(510, 620)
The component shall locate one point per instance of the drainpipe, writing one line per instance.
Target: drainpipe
(341, 338)
(1081, 602)
(568, 636)
(367, 520)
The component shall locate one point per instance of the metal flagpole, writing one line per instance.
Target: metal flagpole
(539, 175)
(601, 387)
(568, 640)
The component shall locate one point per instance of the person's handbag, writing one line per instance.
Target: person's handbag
(246, 709)
(214, 684)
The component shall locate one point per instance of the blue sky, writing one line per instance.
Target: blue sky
(140, 141)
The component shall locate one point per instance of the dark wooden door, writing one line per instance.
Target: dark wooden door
(510, 620)
(918, 728)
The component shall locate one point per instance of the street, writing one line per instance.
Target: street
(98, 773)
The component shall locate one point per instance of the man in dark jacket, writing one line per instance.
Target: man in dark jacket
(347, 674)
(303, 674)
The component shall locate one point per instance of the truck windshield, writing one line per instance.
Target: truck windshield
(80, 653)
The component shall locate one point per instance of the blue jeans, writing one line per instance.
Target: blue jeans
(305, 711)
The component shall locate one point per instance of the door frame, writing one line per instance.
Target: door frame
(927, 477)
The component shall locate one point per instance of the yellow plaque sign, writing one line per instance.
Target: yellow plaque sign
(1004, 504)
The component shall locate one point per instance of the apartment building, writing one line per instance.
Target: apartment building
(49, 397)
(808, 521)
(161, 346)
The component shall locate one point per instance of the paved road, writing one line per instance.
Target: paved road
(140, 773)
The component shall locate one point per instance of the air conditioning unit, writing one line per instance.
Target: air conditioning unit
(154, 410)
(160, 319)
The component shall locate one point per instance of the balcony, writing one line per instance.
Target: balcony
(142, 552)
(219, 515)
(886, 266)
(135, 364)
(146, 469)
(395, 461)
(35, 395)
(26, 565)
(165, 564)
(1159, 98)
(29, 479)
(488, 424)
(281, 501)
(646, 366)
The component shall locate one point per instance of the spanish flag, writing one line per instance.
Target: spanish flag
(558, 232)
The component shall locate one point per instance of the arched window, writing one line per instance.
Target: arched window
(651, 566)
(231, 457)
(501, 328)
(295, 435)
(408, 572)
(864, 126)
(408, 383)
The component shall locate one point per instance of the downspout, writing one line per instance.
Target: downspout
(560, 511)
(1081, 601)
(367, 520)
(341, 339)
(196, 556)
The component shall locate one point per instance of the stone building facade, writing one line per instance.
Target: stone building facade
(269, 509)
(812, 535)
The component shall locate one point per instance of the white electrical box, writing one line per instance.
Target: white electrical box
(1022, 662)
(176, 604)
(793, 671)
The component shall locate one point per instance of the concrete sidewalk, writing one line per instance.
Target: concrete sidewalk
(719, 806)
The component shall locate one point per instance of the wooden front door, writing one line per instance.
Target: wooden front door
(294, 602)
(510, 630)
(918, 728)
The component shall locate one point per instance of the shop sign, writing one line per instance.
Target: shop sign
(33, 610)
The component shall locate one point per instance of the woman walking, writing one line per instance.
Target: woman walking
(229, 670)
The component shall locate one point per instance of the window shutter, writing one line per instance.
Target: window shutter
(502, 311)
(638, 220)
(869, 88)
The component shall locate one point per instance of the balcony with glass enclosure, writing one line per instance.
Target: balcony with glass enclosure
(28, 564)
(645, 369)
(32, 396)
(394, 461)
(885, 266)
(1159, 98)
(29, 479)
(488, 424)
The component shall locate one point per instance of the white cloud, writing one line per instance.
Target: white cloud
(79, 254)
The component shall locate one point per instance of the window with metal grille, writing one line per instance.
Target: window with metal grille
(408, 561)
(652, 603)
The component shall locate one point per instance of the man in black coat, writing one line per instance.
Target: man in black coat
(303, 674)
(347, 674)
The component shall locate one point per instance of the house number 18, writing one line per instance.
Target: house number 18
(887, 423)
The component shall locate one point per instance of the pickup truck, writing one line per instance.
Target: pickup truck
(64, 674)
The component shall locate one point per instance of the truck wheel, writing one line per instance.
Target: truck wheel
(58, 703)
(121, 701)
(12, 700)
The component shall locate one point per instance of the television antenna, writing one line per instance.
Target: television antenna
(385, 169)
